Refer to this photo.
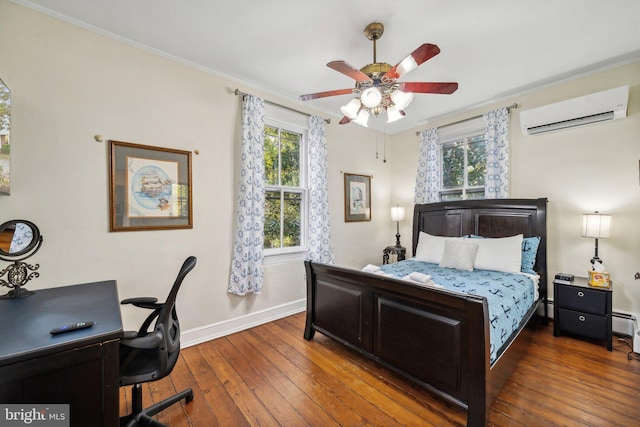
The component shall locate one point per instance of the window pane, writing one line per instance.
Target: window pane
(476, 161)
(271, 155)
(292, 219)
(479, 194)
(453, 165)
(290, 157)
(451, 196)
(272, 220)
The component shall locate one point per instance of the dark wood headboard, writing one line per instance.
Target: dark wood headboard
(488, 218)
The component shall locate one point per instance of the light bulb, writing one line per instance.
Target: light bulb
(351, 109)
(394, 114)
(401, 99)
(371, 97)
(363, 118)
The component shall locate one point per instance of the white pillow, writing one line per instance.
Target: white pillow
(430, 248)
(499, 254)
(459, 254)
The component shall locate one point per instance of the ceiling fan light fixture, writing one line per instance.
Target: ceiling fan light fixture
(401, 99)
(371, 97)
(394, 114)
(363, 118)
(351, 109)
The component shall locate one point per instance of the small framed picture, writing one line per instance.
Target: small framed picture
(357, 197)
(150, 187)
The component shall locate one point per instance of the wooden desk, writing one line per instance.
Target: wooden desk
(80, 368)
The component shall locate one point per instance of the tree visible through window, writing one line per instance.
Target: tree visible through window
(285, 191)
(464, 167)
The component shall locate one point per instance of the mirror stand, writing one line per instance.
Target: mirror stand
(17, 276)
(19, 240)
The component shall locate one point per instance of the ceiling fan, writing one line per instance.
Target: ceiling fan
(377, 88)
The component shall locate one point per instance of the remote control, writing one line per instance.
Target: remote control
(72, 327)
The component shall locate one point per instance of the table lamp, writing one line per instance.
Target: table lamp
(397, 215)
(598, 226)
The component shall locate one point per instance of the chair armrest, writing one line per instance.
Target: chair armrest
(127, 335)
(142, 302)
(150, 341)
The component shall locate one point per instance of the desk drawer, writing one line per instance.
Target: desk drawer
(585, 324)
(582, 299)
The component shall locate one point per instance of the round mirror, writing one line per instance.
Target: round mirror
(18, 237)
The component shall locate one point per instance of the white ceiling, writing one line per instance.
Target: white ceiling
(494, 49)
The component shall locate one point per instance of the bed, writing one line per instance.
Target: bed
(437, 338)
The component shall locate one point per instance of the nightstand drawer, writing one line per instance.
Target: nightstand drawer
(582, 299)
(585, 324)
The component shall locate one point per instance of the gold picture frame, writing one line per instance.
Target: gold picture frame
(150, 187)
(357, 197)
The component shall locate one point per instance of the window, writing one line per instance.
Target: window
(285, 190)
(464, 160)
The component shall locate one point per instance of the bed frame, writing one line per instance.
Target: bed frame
(436, 338)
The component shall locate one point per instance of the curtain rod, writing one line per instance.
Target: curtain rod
(238, 92)
(510, 107)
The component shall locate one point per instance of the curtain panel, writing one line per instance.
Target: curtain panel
(248, 247)
(429, 173)
(320, 249)
(497, 140)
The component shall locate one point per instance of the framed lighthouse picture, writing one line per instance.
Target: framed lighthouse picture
(150, 187)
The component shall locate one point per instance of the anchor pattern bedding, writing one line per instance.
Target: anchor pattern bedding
(509, 295)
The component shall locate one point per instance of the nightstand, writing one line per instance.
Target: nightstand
(582, 310)
(401, 251)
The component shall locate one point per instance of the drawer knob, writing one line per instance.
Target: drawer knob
(580, 294)
(581, 318)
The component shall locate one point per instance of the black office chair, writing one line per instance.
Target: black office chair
(150, 355)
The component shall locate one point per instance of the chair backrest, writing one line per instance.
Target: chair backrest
(167, 322)
(151, 355)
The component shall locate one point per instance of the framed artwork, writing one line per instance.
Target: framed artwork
(150, 187)
(357, 197)
(5, 141)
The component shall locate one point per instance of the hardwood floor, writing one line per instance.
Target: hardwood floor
(271, 376)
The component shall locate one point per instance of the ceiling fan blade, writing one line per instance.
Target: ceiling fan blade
(349, 71)
(325, 94)
(345, 120)
(429, 87)
(411, 62)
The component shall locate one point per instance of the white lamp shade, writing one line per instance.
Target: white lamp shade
(363, 118)
(397, 213)
(394, 114)
(596, 225)
(401, 99)
(371, 97)
(351, 109)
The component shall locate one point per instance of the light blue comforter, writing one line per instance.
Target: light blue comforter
(509, 295)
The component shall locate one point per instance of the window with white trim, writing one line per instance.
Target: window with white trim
(464, 160)
(285, 160)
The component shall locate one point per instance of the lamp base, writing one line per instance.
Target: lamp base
(594, 260)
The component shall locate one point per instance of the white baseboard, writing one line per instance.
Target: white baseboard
(216, 330)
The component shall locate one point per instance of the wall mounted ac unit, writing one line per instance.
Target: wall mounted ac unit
(597, 107)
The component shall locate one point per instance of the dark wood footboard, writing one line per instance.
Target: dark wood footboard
(437, 338)
(434, 337)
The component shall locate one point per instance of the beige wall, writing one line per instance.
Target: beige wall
(579, 170)
(69, 84)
